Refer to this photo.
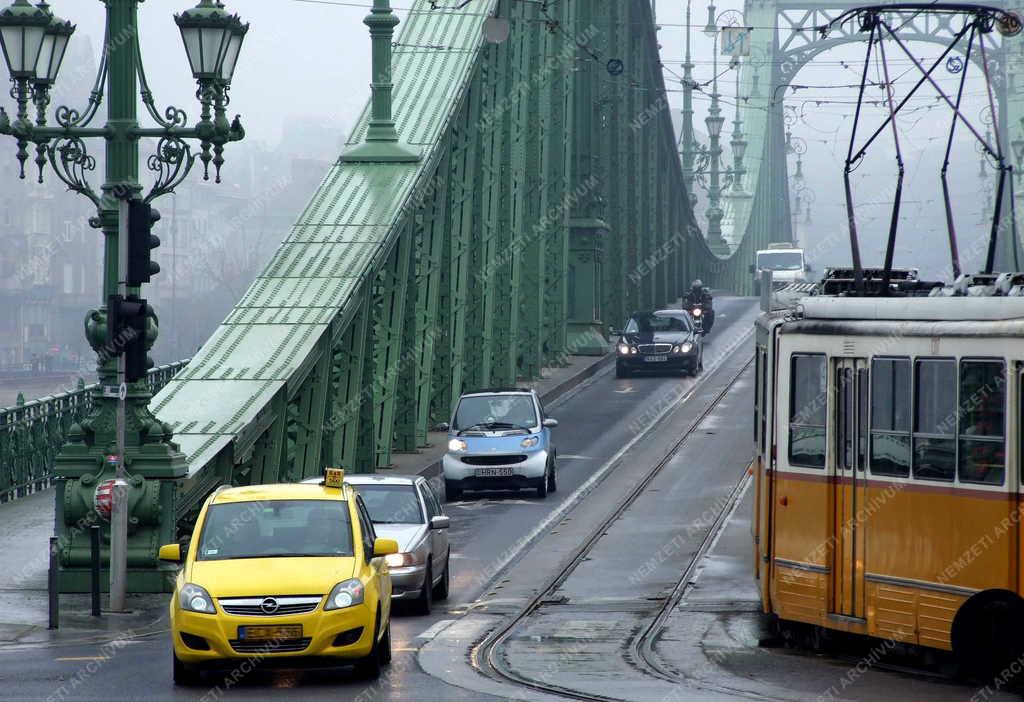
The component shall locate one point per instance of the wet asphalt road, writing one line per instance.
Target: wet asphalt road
(595, 422)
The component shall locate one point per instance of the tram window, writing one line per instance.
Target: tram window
(982, 456)
(808, 400)
(890, 417)
(935, 420)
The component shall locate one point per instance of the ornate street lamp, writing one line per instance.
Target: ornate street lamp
(34, 42)
(22, 33)
(55, 44)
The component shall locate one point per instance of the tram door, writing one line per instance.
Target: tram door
(848, 486)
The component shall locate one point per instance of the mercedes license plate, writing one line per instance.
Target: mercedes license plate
(270, 633)
(500, 472)
(655, 359)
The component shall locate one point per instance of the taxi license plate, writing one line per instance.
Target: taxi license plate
(503, 472)
(655, 359)
(270, 633)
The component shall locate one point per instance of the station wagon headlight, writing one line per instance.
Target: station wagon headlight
(457, 445)
(529, 442)
(193, 598)
(345, 594)
(402, 560)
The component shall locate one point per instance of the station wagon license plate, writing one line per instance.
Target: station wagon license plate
(270, 633)
(500, 472)
(655, 359)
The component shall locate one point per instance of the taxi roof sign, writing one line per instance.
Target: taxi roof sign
(334, 477)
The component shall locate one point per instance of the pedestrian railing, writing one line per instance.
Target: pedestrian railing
(32, 433)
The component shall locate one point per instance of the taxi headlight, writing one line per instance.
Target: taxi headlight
(529, 442)
(401, 560)
(193, 598)
(345, 594)
(457, 445)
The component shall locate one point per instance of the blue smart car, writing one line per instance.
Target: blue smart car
(500, 440)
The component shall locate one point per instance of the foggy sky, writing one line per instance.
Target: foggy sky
(301, 61)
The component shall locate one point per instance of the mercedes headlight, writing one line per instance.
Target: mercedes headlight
(457, 445)
(193, 598)
(529, 442)
(624, 349)
(345, 594)
(686, 347)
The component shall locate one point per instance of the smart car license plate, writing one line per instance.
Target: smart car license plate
(655, 359)
(500, 472)
(270, 633)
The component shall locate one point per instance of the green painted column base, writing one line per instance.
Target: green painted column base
(585, 331)
(140, 580)
(587, 339)
(382, 152)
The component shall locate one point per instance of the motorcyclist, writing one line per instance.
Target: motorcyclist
(699, 296)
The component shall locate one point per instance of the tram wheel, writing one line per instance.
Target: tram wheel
(988, 633)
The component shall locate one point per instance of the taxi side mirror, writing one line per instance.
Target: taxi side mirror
(170, 553)
(384, 547)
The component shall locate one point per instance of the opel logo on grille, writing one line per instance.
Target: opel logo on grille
(269, 605)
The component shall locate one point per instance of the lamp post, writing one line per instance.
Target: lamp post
(715, 122)
(33, 42)
(688, 142)
(738, 143)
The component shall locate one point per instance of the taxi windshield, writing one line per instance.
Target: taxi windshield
(276, 529)
(486, 412)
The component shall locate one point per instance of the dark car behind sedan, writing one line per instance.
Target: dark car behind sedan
(665, 340)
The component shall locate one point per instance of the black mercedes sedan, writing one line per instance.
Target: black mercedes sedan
(666, 340)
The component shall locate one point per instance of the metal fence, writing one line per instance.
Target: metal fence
(32, 433)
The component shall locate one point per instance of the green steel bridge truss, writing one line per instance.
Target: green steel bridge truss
(550, 201)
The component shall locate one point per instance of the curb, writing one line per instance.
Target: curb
(433, 470)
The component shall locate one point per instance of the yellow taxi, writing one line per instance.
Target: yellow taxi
(290, 575)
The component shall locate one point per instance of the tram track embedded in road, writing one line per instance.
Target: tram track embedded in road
(484, 656)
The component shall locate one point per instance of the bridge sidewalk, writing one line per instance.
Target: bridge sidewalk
(26, 525)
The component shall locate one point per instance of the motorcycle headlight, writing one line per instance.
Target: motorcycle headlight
(529, 442)
(697, 311)
(402, 560)
(457, 445)
(345, 594)
(686, 347)
(193, 598)
(624, 349)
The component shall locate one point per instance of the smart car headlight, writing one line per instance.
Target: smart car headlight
(347, 593)
(457, 445)
(529, 442)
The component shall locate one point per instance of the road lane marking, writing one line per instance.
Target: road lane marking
(435, 629)
(82, 658)
(575, 458)
(574, 498)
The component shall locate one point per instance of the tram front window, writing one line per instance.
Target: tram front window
(982, 422)
(935, 420)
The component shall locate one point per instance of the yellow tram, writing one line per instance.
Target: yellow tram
(888, 469)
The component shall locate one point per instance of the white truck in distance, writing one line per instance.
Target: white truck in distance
(786, 263)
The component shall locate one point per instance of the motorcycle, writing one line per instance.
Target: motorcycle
(703, 315)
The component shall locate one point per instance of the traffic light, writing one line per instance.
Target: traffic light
(127, 319)
(141, 242)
